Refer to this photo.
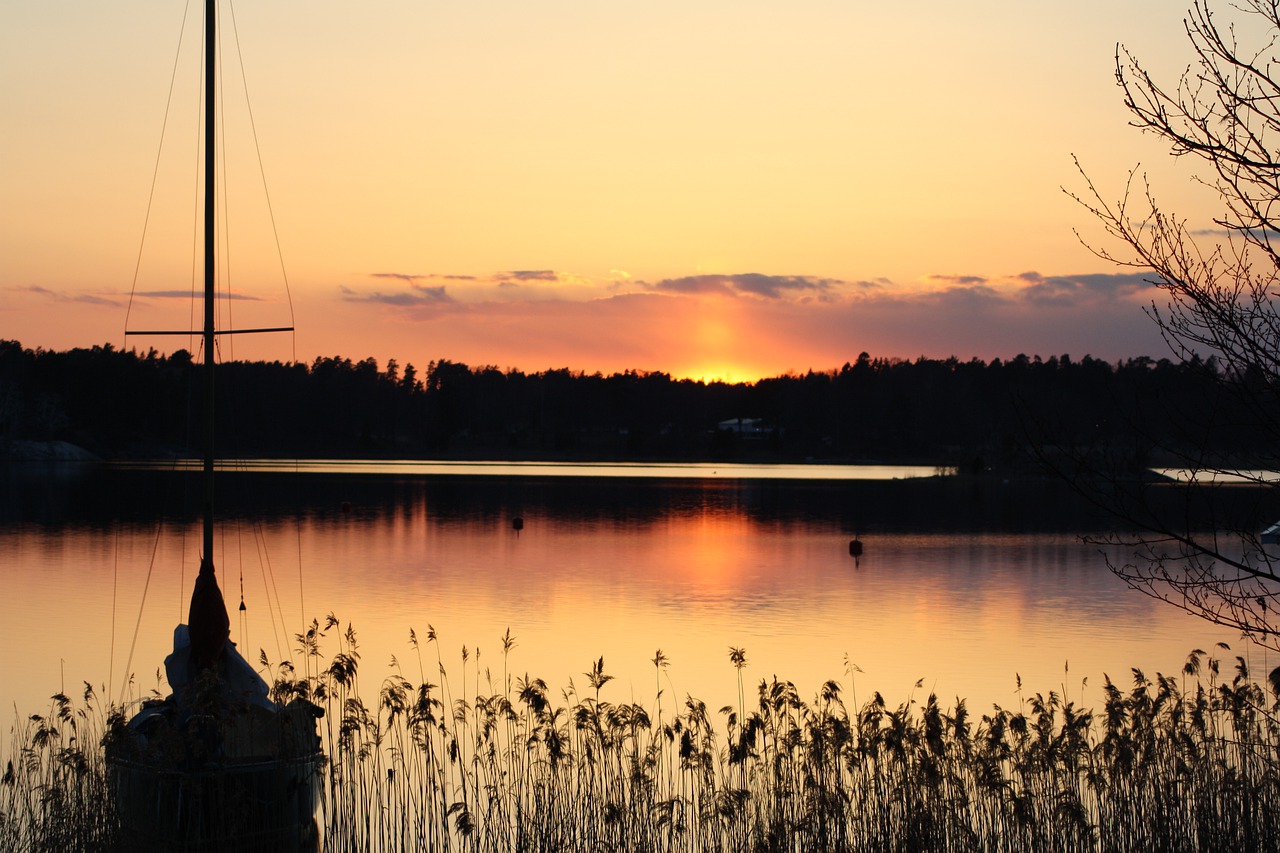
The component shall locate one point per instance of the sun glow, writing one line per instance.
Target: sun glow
(715, 344)
(713, 372)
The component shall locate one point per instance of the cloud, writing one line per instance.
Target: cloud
(955, 280)
(1033, 289)
(83, 298)
(528, 275)
(974, 297)
(1118, 284)
(503, 287)
(1081, 289)
(693, 284)
(754, 284)
(420, 295)
(965, 292)
(1052, 291)
(405, 277)
(511, 281)
(187, 294)
(1219, 231)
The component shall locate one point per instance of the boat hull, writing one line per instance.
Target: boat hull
(269, 805)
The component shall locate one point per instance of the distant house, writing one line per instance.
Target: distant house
(745, 427)
(1271, 536)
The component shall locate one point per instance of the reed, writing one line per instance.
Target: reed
(504, 763)
(53, 794)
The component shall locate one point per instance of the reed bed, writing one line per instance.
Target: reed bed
(53, 794)
(493, 761)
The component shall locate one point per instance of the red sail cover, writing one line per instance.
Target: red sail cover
(210, 627)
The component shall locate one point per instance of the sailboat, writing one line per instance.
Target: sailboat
(217, 765)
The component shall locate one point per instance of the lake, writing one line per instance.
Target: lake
(964, 584)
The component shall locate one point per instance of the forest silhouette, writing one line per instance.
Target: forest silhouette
(974, 416)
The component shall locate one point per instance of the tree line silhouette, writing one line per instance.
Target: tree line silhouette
(972, 415)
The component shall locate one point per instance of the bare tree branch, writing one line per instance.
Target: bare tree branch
(1218, 310)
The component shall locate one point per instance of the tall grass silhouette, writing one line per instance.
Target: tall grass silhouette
(471, 757)
(53, 794)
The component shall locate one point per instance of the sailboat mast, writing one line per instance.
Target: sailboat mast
(207, 617)
(210, 251)
(210, 628)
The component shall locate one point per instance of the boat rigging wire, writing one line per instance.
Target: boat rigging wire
(262, 171)
(293, 335)
(142, 606)
(115, 586)
(155, 173)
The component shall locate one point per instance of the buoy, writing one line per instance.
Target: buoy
(517, 524)
(855, 548)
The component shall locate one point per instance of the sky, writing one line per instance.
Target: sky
(708, 188)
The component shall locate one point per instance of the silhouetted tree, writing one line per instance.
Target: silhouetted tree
(1218, 315)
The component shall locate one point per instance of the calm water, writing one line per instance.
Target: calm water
(963, 584)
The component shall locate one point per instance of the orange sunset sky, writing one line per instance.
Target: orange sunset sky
(713, 188)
